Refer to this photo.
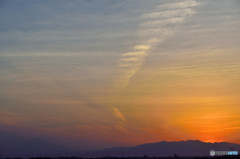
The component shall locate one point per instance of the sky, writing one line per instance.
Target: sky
(92, 74)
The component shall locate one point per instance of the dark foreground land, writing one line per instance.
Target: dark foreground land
(144, 157)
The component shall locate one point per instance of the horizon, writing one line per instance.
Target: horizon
(171, 149)
(89, 74)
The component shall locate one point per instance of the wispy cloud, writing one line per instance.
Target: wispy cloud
(116, 112)
(169, 13)
(155, 29)
(184, 4)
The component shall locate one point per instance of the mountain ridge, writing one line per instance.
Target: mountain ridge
(165, 149)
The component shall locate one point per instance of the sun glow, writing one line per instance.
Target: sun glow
(211, 141)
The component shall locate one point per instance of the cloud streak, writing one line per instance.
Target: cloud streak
(116, 112)
(155, 29)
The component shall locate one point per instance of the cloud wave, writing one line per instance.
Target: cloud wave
(157, 26)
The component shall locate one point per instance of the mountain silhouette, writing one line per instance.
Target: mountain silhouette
(166, 149)
(12, 145)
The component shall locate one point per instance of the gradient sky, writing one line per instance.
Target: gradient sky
(94, 74)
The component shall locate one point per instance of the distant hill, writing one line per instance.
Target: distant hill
(165, 149)
(13, 145)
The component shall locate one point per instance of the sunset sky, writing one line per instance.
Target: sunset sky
(92, 74)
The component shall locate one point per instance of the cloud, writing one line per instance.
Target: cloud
(184, 4)
(118, 114)
(137, 53)
(130, 59)
(169, 13)
(142, 47)
(155, 29)
(163, 22)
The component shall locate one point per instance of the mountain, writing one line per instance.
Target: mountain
(14, 145)
(165, 149)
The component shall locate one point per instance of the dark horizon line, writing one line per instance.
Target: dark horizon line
(164, 141)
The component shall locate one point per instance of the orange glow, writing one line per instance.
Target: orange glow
(211, 141)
